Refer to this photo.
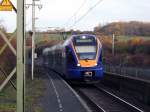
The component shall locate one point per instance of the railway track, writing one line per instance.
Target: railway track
(100, 100)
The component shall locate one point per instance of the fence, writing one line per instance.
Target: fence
(141, 73)
(13, 51)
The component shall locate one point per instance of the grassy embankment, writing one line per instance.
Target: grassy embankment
(8, 95)
(34, 89)
(129, 50)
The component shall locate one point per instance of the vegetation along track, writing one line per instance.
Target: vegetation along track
(101, 100)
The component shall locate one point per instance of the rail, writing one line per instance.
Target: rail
(129, 105)
(136, 87)
(105, 101)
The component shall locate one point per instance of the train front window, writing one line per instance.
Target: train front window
(86, 52)
(85, 46)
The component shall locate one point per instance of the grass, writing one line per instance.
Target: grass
(8, 99)
(34, 90)
(47, 37)
(9, 107)
(126, 38)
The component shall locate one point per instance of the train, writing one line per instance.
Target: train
(77, 59)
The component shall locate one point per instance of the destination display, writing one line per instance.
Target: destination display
(87, 40)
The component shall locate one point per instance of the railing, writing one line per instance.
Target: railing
(129, 71)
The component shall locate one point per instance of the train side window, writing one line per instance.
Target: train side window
(70, 57)
(59, 58)
(68, 50)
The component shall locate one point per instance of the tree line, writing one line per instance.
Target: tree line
(125, 28)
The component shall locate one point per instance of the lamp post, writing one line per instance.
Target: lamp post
(33, 32)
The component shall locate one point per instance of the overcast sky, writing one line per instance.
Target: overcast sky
(56, 13)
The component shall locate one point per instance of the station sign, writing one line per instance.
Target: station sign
(6, 5)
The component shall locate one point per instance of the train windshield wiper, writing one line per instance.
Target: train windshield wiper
(86, 59)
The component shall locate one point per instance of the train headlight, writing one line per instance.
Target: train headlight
(95, 64)
(78, 65)
(83, 37)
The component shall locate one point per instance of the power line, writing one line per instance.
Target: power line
(84, 2)
(90, 9)
(77, 11)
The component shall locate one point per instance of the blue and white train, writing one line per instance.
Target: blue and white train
(78, 59)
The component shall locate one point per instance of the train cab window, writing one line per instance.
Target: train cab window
(69, 56)
(68, 50)
(86, 47)
(86, 52)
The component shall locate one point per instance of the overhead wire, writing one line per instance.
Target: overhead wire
(77, 11)
(85, 14)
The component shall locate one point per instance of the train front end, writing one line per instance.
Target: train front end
(87, 53)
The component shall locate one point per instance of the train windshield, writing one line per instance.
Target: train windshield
(85, 47)
(86, 52)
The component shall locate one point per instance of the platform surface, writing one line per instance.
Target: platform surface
(58, 96)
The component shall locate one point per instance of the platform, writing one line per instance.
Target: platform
(59, 96)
